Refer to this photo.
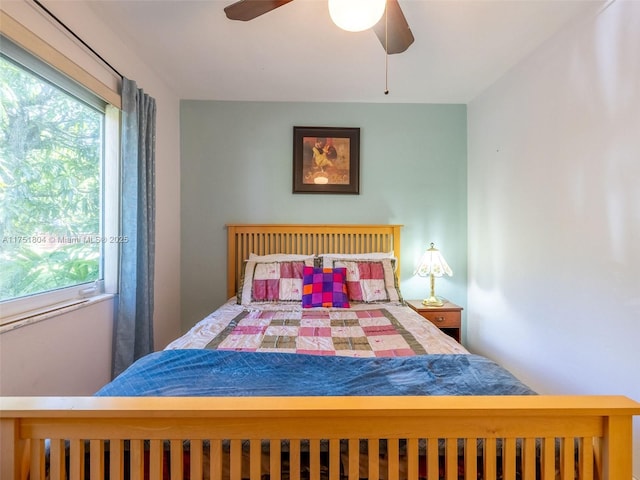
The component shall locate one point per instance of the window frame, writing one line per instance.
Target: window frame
(21, 308)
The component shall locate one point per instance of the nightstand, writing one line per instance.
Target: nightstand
(447, 318)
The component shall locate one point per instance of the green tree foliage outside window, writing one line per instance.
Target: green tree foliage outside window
(50, 186)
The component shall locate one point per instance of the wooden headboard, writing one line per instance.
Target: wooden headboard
(243, 239)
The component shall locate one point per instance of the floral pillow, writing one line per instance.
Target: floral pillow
(369, 280)
(324, 287)
(272, 281)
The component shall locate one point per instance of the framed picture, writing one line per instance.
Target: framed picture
(326, 160)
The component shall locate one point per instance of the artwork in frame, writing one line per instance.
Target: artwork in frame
(326, 160)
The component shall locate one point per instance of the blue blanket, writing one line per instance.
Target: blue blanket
(227, 373)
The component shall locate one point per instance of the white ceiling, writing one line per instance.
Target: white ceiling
(295, 53)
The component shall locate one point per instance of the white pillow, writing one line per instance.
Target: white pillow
(280, 257)
(327, 259)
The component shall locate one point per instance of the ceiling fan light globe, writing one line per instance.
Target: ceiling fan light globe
(356, 15)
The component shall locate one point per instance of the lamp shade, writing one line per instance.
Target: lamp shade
(433, 263)
(356, 15)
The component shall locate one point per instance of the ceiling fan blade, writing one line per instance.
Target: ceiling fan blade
(249, 9)
(397, 32)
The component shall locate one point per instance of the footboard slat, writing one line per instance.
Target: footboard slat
(76, 460)
(314, 459)
(586, 458)
(471, 458)
(255, 462)
(155, 458)
(294, 459)
(176, 458)
(433, 466)
(57, 460)
(490, 452)
(116, 458)
(529, 459)
(413, 456)
(354, 461)
(235, 461)
(215, 465)
(275, 457)
(196, 459)
(393, 459)
(509, 458)
(334, 459)
(137, 459)
(567, 458)
(96, 464)
(587, 438)
(373, 459)
(37, 459)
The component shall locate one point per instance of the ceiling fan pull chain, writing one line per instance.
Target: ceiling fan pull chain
(386, 50)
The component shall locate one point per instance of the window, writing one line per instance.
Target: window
(56, 216)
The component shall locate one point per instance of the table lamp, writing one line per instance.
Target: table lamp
(433, 264)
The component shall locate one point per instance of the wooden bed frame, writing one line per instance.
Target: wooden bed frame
(543, 437)
(305, 239)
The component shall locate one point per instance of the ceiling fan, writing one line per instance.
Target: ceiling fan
(392, 29)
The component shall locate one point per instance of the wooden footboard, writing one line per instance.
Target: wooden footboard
(540, 437)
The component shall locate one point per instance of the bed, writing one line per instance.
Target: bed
(294, 405)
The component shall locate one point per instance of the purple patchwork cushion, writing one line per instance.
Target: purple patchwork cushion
(324, 287)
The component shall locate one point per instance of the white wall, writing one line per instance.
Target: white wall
(97, 34)
(412, 172)
(41, 359)
(554, 213)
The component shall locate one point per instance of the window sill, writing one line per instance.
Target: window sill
(35, 316)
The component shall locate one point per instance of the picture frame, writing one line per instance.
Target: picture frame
(326, 160)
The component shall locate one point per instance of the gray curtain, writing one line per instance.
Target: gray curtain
(133, 329)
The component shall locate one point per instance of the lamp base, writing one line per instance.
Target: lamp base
(433, 301)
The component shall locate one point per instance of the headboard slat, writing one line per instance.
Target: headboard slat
(244, 239)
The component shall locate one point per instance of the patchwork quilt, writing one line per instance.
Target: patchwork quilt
(373, 332)
(364, 330)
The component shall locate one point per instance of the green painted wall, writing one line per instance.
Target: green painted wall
(236, 167)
